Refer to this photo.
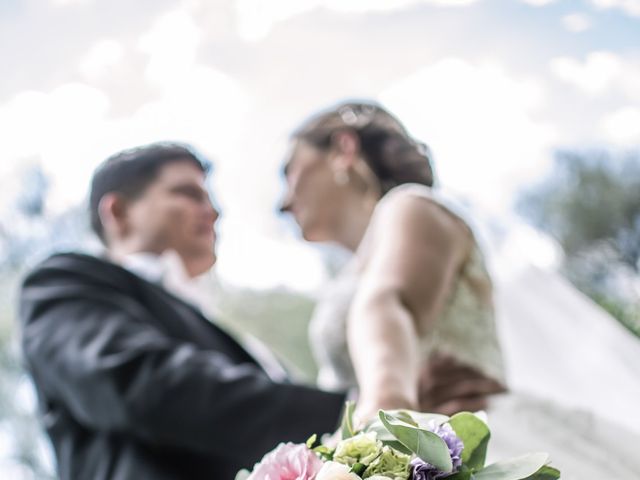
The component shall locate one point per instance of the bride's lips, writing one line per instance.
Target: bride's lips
(206, 231)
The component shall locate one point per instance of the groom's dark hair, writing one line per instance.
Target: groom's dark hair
(131, 171)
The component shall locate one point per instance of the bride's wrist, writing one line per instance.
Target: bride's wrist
(371, 405)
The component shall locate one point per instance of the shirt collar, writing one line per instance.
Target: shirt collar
(146, 265)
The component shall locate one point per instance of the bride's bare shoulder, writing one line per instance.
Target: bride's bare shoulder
(417, 209)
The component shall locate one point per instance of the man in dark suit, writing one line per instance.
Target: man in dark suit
(133, 382)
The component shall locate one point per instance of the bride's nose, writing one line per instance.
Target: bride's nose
(286, 203)
(285, 207)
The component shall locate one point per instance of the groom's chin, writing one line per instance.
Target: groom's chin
(200, 263)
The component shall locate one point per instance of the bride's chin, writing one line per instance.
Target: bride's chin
(313, 237)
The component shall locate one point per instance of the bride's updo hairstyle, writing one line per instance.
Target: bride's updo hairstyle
(392, 155)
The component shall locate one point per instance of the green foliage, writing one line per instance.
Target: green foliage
(519, 468)
(591, 205)
(347, 429)
(628, 312)
(545, 473)
(475, 435)
(279, 318)
(416, 419)
(326, 453)
(358, 468)
(426, 445)
(591, 198)
(463, 474)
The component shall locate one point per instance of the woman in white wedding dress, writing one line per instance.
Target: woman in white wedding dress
(417, 288)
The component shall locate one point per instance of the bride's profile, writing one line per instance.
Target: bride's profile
(416, 288)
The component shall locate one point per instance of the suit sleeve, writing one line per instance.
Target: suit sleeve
(116, 373)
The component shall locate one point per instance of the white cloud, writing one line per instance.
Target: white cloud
(68, 129)
(172, 44)
(593, 76)
(630, 7)
(61, 129)
(622, 127)
(67, 3)
(478, 121)
(521, 247)
(102, 56)
(576, 22)
(256, 18)
(601, 72)
(538, 3)
(250, 258)
(386, 5)
(197, 103)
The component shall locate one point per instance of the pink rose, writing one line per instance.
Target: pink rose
(287, 462)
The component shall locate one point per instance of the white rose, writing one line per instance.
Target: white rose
(336, 471)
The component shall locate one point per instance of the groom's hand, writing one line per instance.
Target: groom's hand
(448, 386)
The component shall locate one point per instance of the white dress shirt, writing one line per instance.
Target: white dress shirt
(168, 271)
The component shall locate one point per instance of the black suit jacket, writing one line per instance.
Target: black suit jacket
(136, 384)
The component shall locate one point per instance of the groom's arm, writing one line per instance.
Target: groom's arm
(116, 373)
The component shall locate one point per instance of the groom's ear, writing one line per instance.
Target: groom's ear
(112, 210)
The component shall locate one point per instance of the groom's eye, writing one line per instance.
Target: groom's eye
(193, 193)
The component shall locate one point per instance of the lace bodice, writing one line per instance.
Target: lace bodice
(466, 328)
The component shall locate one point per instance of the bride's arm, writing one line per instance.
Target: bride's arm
(415, 254)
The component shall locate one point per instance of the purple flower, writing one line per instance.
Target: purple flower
(421, 470)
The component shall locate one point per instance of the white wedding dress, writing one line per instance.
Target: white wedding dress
(582, 443)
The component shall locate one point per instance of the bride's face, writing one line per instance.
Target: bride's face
(313, 197)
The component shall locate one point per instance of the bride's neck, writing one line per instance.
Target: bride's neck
(355, 221)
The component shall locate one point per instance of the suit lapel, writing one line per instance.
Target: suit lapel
(187, 322)
(175, 316)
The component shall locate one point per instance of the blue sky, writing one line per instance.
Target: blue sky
(494, 87)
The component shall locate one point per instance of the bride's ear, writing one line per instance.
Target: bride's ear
(345, 141)
(345, 146)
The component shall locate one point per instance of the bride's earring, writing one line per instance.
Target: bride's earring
(341, 177)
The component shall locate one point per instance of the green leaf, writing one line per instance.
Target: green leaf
(386, 437)
(347, 430)
(475, 435)
(324, 451)
(242, 474)
(311, 441)
(417, 419)
(396, 445)
(466, 475)
(518, 468)
(358, 468)
(404, 416)
(424, 419)
(426, 445)
(545, 473)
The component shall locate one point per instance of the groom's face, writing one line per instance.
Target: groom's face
(175, 212)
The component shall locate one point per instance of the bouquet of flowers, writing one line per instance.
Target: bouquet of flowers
(400, 445)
